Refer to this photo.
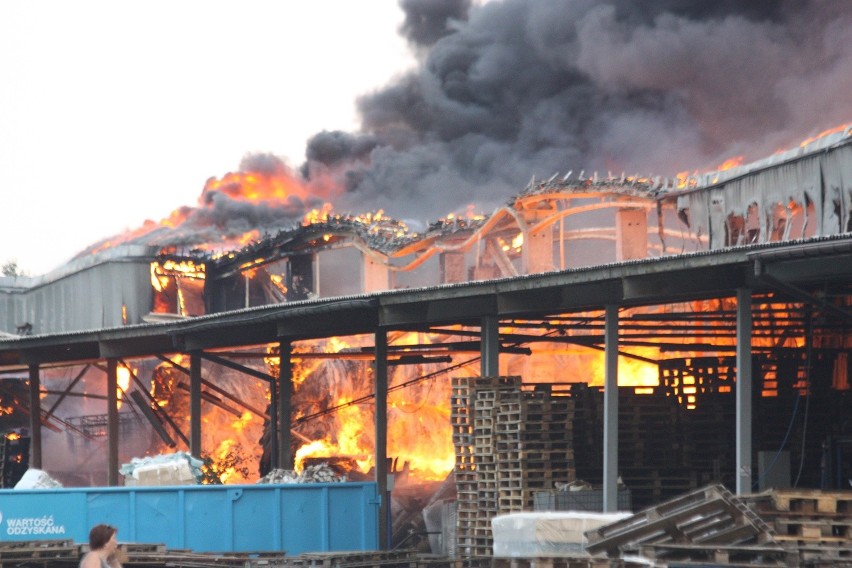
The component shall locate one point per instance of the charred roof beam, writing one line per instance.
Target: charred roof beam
(803, 295)
(811, 262)
(237, 367)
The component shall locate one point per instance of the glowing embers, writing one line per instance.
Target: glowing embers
(178, 287)
(469, 219)
(371, 224)
(694, 379)
(515, 245)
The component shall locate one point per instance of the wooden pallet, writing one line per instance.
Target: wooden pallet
(559, 562)
(358, 559)
(39, 553)
(708, 516)
(681, 555)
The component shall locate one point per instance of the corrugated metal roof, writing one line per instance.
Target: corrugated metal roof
(331, 313)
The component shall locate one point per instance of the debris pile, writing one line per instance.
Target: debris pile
(635, 185)
(318, 473)
(179, 468)
(381, 233)
(454, 224)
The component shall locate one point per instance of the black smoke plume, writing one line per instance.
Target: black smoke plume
(508, 89)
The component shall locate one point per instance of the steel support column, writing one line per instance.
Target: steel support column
(381, 388)
(610, 433)
(744, 392)
(195, 404)
(274, 450)
(285, 391)
(35, 417)
(112, 422)
(490, 346)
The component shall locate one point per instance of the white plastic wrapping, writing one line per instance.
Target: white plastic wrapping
(546, 534)
(179, 468)
(36, 479)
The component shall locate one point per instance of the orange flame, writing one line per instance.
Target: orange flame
(419, 426)
(731, 163)
(315, 216)
(274, 189)
(252, 187)
(824, 133)
(229, 431)
(123, 379)
(176, 286)
(631, 372)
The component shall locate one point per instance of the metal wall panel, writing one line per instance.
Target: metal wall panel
(87, 299)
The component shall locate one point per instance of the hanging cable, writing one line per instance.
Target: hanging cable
(809, 351)
(763, 474)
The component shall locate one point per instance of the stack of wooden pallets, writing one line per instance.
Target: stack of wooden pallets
(475, 468)
(509, 443)
(534, 446)
(816, 524)
(704, 389)
(67, 554)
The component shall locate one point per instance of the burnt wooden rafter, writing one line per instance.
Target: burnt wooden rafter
(221, 391)
(155, 408)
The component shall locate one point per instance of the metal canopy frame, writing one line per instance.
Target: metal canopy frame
(809, 271)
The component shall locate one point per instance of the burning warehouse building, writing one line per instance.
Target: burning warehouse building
(595, 326)
(352, 340)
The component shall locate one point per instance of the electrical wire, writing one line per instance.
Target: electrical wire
(771, 465)
(809, 353)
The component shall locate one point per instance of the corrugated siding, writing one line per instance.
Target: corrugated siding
(85, 300)
(824, 179)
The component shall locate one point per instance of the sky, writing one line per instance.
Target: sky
(112, 113)
(116, 113)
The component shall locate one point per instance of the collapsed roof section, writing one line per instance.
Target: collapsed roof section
(802, 193)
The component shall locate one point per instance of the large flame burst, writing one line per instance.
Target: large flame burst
(230, 433)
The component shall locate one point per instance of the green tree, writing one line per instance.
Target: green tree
(10, 268)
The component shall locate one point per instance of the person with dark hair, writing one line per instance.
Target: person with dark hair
(102, 548)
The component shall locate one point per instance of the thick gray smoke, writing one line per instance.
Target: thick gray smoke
(427, 21)
(509, 89)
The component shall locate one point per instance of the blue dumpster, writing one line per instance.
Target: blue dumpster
(293, 518)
